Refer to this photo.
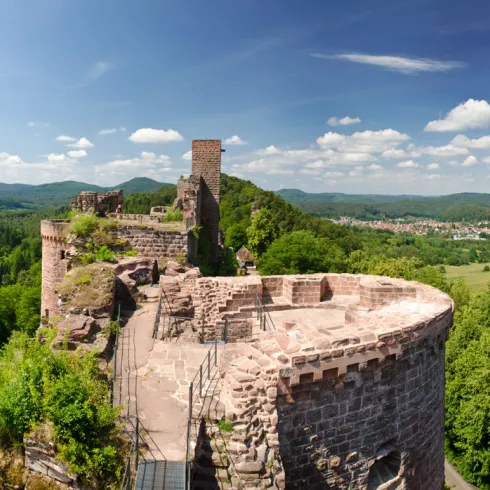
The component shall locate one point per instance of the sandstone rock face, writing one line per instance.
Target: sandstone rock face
(131, 273)
(40, 457)
(76, 329)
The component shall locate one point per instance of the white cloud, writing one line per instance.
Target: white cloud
(345, 121)
(375, 167)
(363, 142)
(107, 131)
(471, 161)
(77, 153)
(434, 176)
(333, 174)
(7, 159)
(433, 166)
(408, 66)
(471, 114)
(82, 143)
(400, 153)
(482, 143)
(145, 160)
(486, 160)
(270, 150)
(33, 124)
(187, 156)
(65, 138)
(407, 164)
(444, 151)
(234, 140)
(57, 157)
(149, 135)
(310, 171)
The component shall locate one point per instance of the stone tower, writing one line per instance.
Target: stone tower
(206, 163)
(55, 258)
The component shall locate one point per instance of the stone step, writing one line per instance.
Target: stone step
(198, 484)
(210, 473)
(212, 459)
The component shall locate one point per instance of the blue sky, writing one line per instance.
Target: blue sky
(384, 96)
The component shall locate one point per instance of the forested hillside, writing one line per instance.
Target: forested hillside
(21, 196)
(454, 207)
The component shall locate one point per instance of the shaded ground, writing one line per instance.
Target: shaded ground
(454, 479)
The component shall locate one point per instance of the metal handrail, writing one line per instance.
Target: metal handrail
(204, 368)
(263, 315)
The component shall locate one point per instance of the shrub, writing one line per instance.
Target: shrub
(130, 253)
(104, 254)
(486, 268)
(84, 225)
(173, 215)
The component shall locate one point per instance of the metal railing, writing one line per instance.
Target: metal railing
(116, 345)
(132, 461)
(158, 317)
(263, 316)
(197, 389)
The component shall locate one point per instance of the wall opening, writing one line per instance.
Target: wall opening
(62, 255)
(384, 470)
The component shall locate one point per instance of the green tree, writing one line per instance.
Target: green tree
(262, 232)
(300, 252)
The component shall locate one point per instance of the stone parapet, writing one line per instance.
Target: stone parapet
(342, 399)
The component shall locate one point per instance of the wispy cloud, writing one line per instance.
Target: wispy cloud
(407, 66)
(98, 69)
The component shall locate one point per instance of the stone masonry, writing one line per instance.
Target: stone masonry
(344, 390)
(55, 252)
(93, 202)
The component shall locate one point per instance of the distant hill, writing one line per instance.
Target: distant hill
(22, 196)
(465, 206)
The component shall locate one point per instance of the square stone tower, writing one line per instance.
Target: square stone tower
(206, 163)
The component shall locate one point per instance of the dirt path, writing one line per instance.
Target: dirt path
(454, 478)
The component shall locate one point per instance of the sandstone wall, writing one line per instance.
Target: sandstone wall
(155, 243)
(206, 163)
(55, 260)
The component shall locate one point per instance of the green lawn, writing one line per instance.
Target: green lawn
(472, 274)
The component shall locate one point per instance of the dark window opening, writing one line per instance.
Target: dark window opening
(384, 470)
(306, 378)
(62, 255)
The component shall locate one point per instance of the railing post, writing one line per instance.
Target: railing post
(137, 442)
(216, 352)
(209, 364)
(200, 380)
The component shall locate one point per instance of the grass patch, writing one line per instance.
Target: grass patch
(89, 286)
(473, 275)
(225, 425)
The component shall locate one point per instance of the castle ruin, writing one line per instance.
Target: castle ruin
(325, 381)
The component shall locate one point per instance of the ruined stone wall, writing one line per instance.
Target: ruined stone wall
(93, 202)
(155, 243)
(206, 163)
(55, 259)
(358, 407)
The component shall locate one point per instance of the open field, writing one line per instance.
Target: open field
(472, 275)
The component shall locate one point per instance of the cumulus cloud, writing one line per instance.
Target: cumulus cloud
(471, 114)
(77, 153)
(345, 121)
(486, 160)
(407, 66)
(375, 167)
(482, 143)
(187, 156)
(8, 159)
(407, 164)
(107, 131)
(470, 161)
(270, 150)
(444, 151)
(82, 143)
(234, 140)
(145, 160)
(398, 153)
(364, 141)
(66, 138)
(433, 166)
(150, 135)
